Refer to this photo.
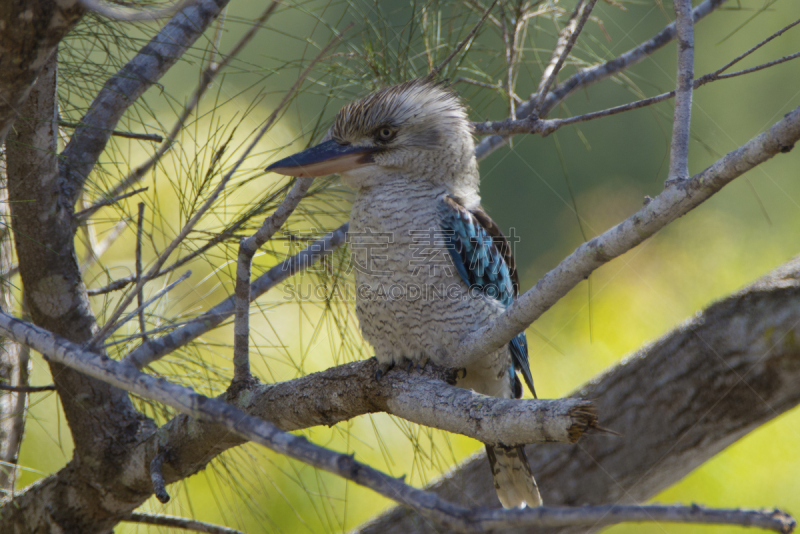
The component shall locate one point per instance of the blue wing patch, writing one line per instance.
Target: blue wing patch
(482, 258)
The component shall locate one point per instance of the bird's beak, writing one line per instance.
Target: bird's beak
(323, 159)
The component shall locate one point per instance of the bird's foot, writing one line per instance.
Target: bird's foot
(421, 363)
(383, 368)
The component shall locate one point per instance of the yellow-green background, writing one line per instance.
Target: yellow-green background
(749, 228)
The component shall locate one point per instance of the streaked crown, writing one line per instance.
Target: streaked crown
(422, 113)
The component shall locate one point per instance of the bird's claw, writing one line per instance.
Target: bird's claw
(383, 368)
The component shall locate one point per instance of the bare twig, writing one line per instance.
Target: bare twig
(157, 478)
(471, 35)
(114, 326)
(140, 293)
(247, 249)
(91, 210)
(93, 254)
(117, 12)
(763, 66)
(681, 123)
(677, 199)
(591, 75)
(208, 76)
(545, 127)
(297, 447)
(113, 286)
(737, 59)
(27, 389)
(119, 133)
(179, 522)
(560, 53)
(156, 348)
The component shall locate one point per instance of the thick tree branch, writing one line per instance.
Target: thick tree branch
(101, 418)
(266, 434)
(30, 32)
(54, 291)
(677, 199)
(717, 377)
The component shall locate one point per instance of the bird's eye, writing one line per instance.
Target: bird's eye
(385, 134)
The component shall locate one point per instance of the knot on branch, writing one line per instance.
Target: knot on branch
(584, 418)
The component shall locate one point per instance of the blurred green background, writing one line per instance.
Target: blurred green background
(554, 192)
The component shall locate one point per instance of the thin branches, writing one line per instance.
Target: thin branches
(560, 53)
(677, 199)
(119, 133)
(247, 249)
(197, 216)
(591, 75)
(471, 35)
(140, 293)
(91, 210)
(179, 522)
(545, 127)
(211, 72)
(112, 326)
(132, 80)
(27, 389)
(681, 124)
(156, 348)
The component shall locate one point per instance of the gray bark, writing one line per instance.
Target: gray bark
(676, 404)
(30, 31)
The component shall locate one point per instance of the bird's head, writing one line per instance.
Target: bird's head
(415, 131)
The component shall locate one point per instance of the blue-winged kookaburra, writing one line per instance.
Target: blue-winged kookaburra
(438, 267)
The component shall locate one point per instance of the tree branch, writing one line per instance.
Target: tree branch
(717, 377)
(179, 522)
(677, 199)
(208, 76)
(247, 249)
(156, 348)
(544, 127)
(212, 197)
(588, 76)
(31, 31)
(560, 53)
(270, 436)
(681, 123)
(139, 74)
